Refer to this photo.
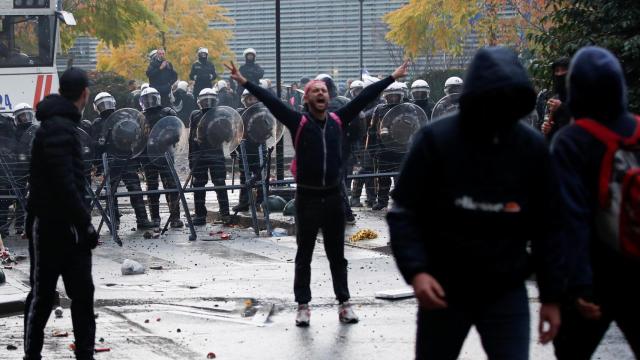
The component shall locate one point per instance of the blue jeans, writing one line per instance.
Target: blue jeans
(503, 325)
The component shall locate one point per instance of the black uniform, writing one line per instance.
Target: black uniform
(120, 170)
(161, 79)
(203, 72)
(387, 160)
(252, 72)
(226, 98)
(425, 105)
(205, 160)
(184, 105)
(364, 156)
(253, 163)
(158, 168)
(7, 131)
(59, 228)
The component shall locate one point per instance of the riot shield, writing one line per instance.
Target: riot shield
(25, 143)
(86, 144)
(221, 127)
(399, 124)
(166, 136)
(446, 105)
(261, 127)
(123, 134)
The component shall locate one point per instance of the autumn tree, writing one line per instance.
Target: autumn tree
(183, 27)
(111, 21)
(425, 27)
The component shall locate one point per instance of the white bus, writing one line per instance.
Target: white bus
(28, 43)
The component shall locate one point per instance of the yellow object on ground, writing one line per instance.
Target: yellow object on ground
(365, 234)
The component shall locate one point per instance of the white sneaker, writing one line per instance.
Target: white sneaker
(304, 315)
(346, 314)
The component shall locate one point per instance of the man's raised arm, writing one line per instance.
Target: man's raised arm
(280, 110)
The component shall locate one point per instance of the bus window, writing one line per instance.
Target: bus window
(26, 41)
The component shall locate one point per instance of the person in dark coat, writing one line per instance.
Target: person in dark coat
(161, 76)
(203, 72)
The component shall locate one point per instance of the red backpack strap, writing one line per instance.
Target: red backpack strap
(302, 124)
(613, 142)
(336, 118)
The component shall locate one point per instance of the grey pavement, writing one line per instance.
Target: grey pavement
(235, 298)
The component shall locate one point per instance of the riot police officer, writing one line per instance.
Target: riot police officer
(205, 159)
(449, 103)
(120, 170)
(250, 70)
(388, 160)
(420, 92)
(23, 116)
(203, 72)
(253, 158)
(158, 168)
(7, 147)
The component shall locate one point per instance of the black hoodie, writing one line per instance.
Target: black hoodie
(476, 188)
(597, 91)
(57, 181)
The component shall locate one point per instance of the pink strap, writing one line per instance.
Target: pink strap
(302, 123)
(336, 118)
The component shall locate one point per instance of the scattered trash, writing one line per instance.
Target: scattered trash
(395, 294)
(130, 267)
(147, 235)
(72, 347)
(13, 347)
(211, 355)
(158, 319)
(146, 321)
(156, 235)
(223, 235)
(101, 340)
(178, 330)
(99, 350)
(58, 312)
(58, 333)
(8, 267)
(279, 232)
(156, 267)
(365, 234)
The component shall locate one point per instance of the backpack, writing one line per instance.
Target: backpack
(296, 141)
(618, 216)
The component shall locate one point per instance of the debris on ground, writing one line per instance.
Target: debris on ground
(131, 267)
(146, 321)
(365, 234)
(279, 232)
(72, 347)
(99, 350)
(147, 235)
(156, 267)
(13, 347)
(101, 340)
(58, 333)
(221, 234)
(178, 330)
(58, 312)
(211, 355)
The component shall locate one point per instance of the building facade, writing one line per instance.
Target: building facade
(316, 36)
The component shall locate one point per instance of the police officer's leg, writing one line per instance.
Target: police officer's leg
(243, 200)
(172, 198)
(256, 173)
(132, 182)
(200, 179)
(152, 176)
(78, 284)
(218, 172)
(384, 184)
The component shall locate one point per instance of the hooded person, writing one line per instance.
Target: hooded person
(203, 72)
(557, 114)
(592, 166)
(59, 227)
(476, 191)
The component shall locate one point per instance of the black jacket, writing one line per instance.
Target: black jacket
(57, 181)
(319, 152)
(578, 157)
(425, 105)
(203, 73)
(252, 72)
(476, 188)
(161, 79)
